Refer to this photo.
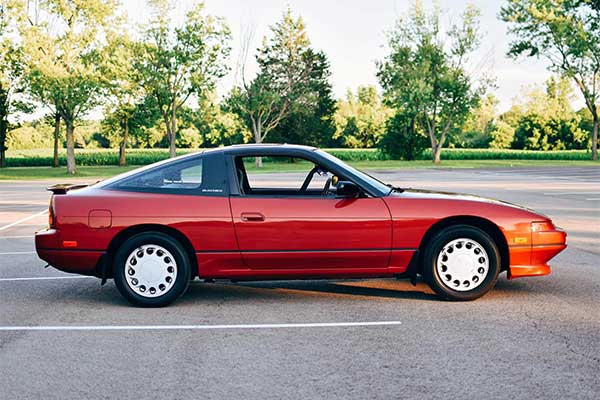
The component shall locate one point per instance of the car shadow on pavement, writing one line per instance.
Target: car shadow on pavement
(301, 290)
(391, 289)
(363, 291)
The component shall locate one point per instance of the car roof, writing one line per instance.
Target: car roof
(266, 148)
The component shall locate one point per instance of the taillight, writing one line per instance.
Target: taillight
(51, 213)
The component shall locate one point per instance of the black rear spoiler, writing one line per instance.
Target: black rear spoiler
(63, 188)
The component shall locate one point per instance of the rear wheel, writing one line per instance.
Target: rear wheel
(461, 262)
(151, 269)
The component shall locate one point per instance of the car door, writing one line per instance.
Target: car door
(278, 229)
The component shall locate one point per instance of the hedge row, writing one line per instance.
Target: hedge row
(87, 157)
(507, 154)
(94, 157)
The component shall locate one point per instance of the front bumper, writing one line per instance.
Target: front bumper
(533, 260)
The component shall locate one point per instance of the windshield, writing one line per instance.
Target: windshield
(382, 187)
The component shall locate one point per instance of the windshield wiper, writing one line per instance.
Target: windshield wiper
(394, 188)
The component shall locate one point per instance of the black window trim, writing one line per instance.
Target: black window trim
(116, 185)
(309, 155)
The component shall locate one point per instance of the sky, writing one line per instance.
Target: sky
(352, 33)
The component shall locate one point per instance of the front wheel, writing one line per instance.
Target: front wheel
(461, 262)
(151, 269)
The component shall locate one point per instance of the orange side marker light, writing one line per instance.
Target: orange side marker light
(69, 243)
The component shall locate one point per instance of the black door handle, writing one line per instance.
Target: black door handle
(252, 217)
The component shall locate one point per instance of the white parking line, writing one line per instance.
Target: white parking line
(39, 224)
(573, 192)
(17, 237)
(593, 199)
(195, 327)
(46, 278)
(23, 220)
(4, 205)
(17, 253)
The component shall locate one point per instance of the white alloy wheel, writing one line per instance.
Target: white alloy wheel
(150, 270)
(462, 264)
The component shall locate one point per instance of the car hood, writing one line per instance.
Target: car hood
(439, 195)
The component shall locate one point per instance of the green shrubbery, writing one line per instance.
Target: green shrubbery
(99, 157)
(87, 157)
(402, 141)
(507, 154)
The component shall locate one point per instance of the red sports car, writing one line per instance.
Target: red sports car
(201, 215)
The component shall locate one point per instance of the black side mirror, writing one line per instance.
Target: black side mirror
(347, 189)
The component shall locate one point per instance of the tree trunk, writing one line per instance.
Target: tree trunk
(167, 126)
(3, 131)
(56, 136)
(437, 152)
(3, 126)
(173, 138)
(70, 147)
(258, 139)
(595, 139)
(123, 144)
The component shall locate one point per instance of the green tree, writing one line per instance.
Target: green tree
(216, 125)
(546, 120)
(477, 130)
(46, 92)
(361, 118)
(403, 139)
(313, 124)
(40, 88)
(567, 34)
(227, 128)
(502, 135)
(10, 68)
(62, 56)
(177, 62)
(291, 85)
(424, 75)
(121, 79)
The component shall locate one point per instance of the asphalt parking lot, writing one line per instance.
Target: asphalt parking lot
(532, 338)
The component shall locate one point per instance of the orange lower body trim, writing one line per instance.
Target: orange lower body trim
(521, 271)
(538, 258)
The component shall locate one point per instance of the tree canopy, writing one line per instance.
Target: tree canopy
(10, 67)
(175, 63)
(291, 89)
(567, 34)
(425, 73)
(62, 53)
(156, 84)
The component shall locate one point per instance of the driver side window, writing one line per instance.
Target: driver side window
(283, 176)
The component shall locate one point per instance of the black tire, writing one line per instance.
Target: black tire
(181, 261)
(436, 245)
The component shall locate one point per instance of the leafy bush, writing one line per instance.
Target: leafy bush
(502, 135)
(401, 140)
(557, 133)
(29, 137)
(189, 138)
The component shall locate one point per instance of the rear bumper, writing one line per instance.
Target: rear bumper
(533, 260)
(85, 262)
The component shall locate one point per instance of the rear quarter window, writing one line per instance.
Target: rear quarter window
(200, 175)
